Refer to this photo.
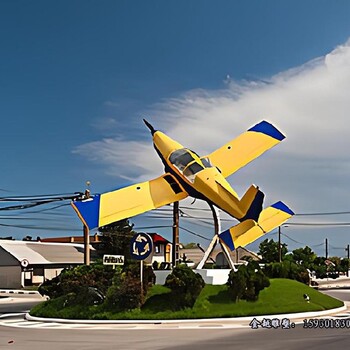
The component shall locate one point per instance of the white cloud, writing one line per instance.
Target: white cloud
(309, 104)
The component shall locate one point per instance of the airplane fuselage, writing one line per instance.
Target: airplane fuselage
(196, 175)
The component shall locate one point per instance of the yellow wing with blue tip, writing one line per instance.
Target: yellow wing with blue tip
(249, 230)
(101, 210)
(245, 148)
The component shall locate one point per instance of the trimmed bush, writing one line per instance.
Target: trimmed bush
(125, 293)
(247, 282)
(77, 279)
(287, 269)
(185, 286)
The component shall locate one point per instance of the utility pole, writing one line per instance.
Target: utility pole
(175, 248)
(326, 243)
(86, 232)
(348, 255)
(86, 246)
(279, 245)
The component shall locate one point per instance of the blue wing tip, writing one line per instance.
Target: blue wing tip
(281, 206)
(89, 211)
(226, 237)
(268, 129)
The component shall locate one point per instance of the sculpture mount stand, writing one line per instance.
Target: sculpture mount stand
(215, 241)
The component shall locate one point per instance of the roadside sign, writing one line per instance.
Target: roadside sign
(113, 260)
(141, 246)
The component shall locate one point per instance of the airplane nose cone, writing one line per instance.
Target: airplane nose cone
(149, 126)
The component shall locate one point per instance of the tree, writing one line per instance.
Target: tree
(344, 265)
(116, 238)
(247, 282)
(268, 249)
(185, 286)
(191, 245)
(304, 256)
(125, 293)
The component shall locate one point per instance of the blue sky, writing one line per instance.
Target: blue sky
(77, 77)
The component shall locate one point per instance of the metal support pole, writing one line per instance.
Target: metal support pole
(86, 232)
(141, 275)
(279, 245)
(86, 246)
(348, 255)
(175, 248)
(215, 240)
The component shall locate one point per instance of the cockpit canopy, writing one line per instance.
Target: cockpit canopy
(188, 162)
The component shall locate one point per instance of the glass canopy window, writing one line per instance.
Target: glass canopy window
(181, 158)
(188, 162)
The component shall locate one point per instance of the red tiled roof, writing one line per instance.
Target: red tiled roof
(158, 238)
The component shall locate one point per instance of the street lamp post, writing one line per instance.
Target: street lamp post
(279, 245)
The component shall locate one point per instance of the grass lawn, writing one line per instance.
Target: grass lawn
(283, 296)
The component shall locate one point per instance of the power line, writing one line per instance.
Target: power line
(295, 241)
(194, 233)
(318, 224)
(58, 196)
(320, 214)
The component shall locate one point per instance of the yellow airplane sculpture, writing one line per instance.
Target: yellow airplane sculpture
(188, 174)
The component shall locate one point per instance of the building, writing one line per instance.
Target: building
(26, 263)
(95, 240)
(194, 255)
(162, 247)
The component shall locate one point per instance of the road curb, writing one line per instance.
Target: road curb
(237, 320)
(17, 291)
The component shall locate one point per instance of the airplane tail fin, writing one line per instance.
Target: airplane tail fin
(252, 201)
(250, 230)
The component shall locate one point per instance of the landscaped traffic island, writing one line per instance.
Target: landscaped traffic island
(282, 296)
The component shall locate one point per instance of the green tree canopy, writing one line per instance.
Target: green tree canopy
(268, 249)
(304, 256)
(116, 238)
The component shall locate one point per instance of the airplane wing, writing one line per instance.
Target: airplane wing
(245, 148)
(249, 230)
(103, 209)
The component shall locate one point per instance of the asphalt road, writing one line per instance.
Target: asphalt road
(22, 306)
(29, 337)
(58, 339)
(342, 294)
(18, 303)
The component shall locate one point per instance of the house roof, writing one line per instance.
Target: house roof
(39, 253)
(72, 239)
(196, 255)
(158, 238)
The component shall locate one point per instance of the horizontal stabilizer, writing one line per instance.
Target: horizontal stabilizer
(274, 216)
(249, 230)
(242, 234)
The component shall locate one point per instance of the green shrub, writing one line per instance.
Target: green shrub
(77, 279)
(148, 278)
(247, 282)
(287, 269)
(125, 293)
(185, 286)
(52, 288)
